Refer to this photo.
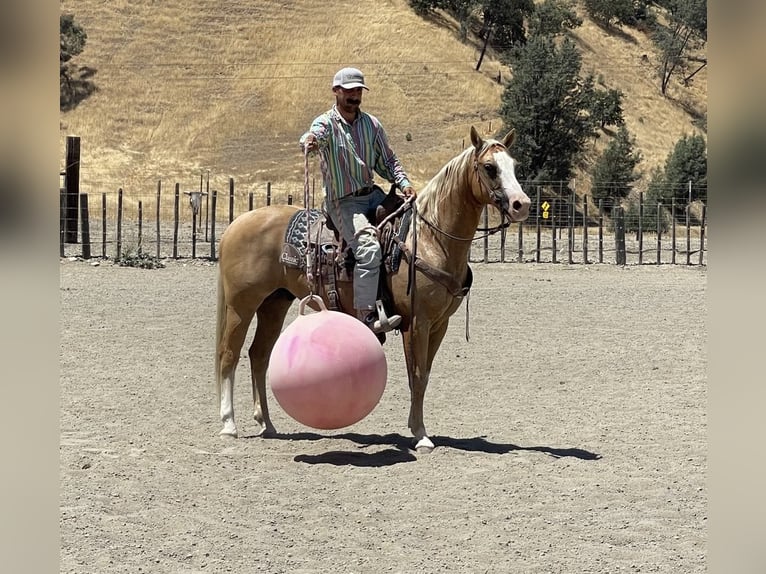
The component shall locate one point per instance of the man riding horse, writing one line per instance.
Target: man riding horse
(352, 144)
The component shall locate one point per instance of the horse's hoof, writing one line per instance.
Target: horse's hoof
(229, 431)
(424, 446)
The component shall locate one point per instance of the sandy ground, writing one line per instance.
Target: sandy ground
(570, 433)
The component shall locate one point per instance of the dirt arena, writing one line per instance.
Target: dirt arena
(570, 432)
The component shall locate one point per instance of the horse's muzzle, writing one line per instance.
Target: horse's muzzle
(518, 208)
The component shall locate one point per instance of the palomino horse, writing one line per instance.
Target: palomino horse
(253, 281)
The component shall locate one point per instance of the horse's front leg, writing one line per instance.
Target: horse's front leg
(420, 350)
(416, 356)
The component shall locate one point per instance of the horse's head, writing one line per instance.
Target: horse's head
(496, 176)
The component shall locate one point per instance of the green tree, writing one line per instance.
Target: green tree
(553, 18)
(606, 108)
(609, 12)
(505, 19)
(462, 10)
(614, 171)
(687, 26)
(546, 102)
(685, 165)
(424, 7)
(72, 38)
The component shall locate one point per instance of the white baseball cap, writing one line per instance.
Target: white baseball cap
(349, 78)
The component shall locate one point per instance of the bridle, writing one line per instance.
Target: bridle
(497, 197)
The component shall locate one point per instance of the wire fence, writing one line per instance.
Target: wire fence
(180, 223)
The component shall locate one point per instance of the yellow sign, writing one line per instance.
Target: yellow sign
(545, 215)
(546, 206)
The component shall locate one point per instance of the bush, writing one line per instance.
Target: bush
(140, 260)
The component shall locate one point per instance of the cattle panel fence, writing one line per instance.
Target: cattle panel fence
(181, 223)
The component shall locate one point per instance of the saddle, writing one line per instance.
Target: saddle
(317, 246)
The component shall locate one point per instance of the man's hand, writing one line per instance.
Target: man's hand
(408, 191)
(310, 143)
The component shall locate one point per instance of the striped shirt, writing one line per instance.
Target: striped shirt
(349, 153)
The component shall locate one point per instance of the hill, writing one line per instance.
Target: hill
(229, 86)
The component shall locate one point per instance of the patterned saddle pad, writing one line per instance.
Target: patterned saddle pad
(299, 234)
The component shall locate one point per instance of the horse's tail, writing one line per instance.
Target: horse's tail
(220, 324)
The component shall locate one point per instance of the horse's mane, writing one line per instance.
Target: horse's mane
(437, 189)
(451, 175)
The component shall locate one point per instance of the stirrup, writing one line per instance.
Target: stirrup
(384, 323)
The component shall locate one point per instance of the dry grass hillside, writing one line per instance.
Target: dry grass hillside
(228, 86)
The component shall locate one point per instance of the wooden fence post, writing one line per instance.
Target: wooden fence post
(520, 258)
(640, 232)
(554, 251)
(688, 236)
(85, 222)
(268, 193)
(486, 237)
(103, 225)
(585, 229)
(176, 203)
(250, 201)
(231, 199)
(571, 211)
(207, 205)
(212, 225)
(194, 231)
(702, 233)
(140, 248)
(659, 233)
(673, 230)
(157, 229)
(72, 186)
(502, 243)
(600, 230)
(619, 235)
(118, 254)
(538, 245)
(62, 219)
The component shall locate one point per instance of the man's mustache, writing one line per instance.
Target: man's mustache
(354, 102)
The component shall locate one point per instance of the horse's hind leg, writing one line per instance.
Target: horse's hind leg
(233, 337)
(271, 316)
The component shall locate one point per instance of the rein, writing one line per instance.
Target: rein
(309, 274)
(489, 230)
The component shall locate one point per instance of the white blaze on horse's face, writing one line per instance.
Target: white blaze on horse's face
(518, 201)
(504, 189)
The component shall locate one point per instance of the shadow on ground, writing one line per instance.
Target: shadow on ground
(401, 448)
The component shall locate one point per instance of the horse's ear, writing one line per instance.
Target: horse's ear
(509, 137)
(476, 139)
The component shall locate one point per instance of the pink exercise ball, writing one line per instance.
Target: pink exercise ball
(327, 370)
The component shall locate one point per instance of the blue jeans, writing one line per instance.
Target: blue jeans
(348, 213)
